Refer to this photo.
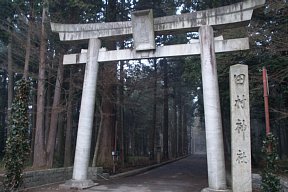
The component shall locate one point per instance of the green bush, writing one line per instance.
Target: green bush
(17, 144)
(270, 181)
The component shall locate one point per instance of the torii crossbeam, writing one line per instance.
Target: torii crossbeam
(238, 14)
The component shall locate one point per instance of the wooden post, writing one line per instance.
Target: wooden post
(266, 103)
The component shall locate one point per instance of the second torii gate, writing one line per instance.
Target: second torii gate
(143, 27)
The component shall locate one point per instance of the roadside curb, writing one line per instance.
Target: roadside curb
(144, 169)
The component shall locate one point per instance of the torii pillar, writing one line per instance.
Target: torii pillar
(212, 112)
(83, 144)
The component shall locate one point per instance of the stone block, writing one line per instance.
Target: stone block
(78, 184)
(143, 30)
(240, 129)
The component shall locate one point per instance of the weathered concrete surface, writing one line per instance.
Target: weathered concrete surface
(165, 51)
(212, 112)
(222, 17)
(84, 134)
(143, 33)
(240, 129)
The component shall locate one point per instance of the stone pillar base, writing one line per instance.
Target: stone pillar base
(78, 184)
(215, 190)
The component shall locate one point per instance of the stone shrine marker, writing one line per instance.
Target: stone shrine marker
(204, 22)
(143, 32)
(240, 129)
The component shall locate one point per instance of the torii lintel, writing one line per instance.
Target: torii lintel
(221, 17)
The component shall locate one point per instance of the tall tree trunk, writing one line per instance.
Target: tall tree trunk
(59, 143)
(26, 69)
(133, 134)
(184, 133)
(105, 151)
(27, 55)
(68, 133)
(10, 76)
(99, 135)
(39, 146)
(48, 105)
(180, 125)
(174, 135)
(108, 117)
(28, 41)
(121, 111)
(108, 107)
(54, 115)
(282, 127)
(165, 111)
(3, 116)
(34, 114)
(153, 127)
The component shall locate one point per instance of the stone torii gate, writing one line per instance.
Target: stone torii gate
(143, 28)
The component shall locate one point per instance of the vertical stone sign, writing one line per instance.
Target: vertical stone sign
(143, 30)
(240, 129)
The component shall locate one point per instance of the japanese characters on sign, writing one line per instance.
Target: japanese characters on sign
(240, 104)
(241, 157)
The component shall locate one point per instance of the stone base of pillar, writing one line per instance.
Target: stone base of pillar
(78, 184)
(215, 190)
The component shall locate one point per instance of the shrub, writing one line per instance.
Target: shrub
(17, 144)
(270, 181)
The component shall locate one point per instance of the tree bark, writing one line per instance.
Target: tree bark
(28, 42)
(68, 133)
(3, 115)
(10, 77)
(26, 68)
(184, 134)
(108, 119)
(108, 107)
(48, 104)
(180, 125)
(121, 111)
(153, 127)
(39, 147)
(54, 115)
(59, 143)
(165, 111)
(34, 109)
(99, 135)
(174, 135)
